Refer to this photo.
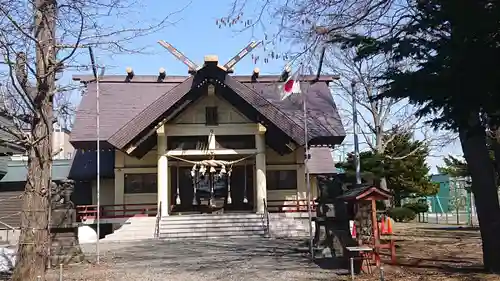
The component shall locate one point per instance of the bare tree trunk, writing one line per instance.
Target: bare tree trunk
(473, 139)
(379, 145)
(34, 241)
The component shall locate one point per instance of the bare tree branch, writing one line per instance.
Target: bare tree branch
(38, 39)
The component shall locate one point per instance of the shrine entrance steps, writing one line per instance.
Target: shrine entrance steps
(205, 226)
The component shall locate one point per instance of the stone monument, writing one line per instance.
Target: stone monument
(65, 247)
(332, 216)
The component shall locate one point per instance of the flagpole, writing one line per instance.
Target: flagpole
(306, 160)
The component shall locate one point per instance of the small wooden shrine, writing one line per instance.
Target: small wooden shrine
(364, 202)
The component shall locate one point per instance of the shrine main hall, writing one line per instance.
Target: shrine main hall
(207, 142)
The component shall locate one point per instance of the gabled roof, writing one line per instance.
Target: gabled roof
(130, 110)
(364, 192)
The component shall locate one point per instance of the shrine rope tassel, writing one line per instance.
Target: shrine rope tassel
(178, 196)
(193, 176)
(229, 200)
(245, 199)
(213, 164)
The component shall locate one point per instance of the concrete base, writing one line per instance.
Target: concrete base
(283, 225)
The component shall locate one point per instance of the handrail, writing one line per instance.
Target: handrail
(266, 214)
(116, 211)
(115, 205)
(157, 224)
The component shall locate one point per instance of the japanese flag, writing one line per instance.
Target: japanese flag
(290, 86)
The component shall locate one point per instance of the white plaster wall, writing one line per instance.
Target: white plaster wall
(196, 113)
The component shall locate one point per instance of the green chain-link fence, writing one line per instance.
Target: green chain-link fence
(456, 207)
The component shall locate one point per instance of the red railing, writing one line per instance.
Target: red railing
(116, 211)
(85, 212)
(289, 206)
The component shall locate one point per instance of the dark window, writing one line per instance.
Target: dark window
(211, 116)
(279, 180)
(235, 142)
(141, 183)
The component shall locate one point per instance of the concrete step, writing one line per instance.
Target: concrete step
(213, 234)
(203, 226)
(212, 216)
(212, 237)
(128, 238)
(211, 223)
(211, 229)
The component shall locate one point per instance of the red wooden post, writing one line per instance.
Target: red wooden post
(374, 222)
(393, 251)
(376, 241)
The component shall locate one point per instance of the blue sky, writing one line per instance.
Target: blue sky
(196, 34)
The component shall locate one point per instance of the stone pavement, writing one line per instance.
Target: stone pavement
(217, 259)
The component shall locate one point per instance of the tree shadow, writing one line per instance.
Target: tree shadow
(452, 228)
(456, 232)
(447, 265)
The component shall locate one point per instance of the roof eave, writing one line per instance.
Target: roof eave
(329, 141)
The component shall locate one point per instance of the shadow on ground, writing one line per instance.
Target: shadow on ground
(251, 256)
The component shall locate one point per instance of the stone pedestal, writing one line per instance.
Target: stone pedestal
(65, 247)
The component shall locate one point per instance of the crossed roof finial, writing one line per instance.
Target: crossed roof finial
(193, 67)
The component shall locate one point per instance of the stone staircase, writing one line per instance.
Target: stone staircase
(136, 228)
(202, 226)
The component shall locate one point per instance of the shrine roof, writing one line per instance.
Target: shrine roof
(128, 109)
(365, 192)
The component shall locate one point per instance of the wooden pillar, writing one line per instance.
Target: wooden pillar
(163, 172)
(260, 169)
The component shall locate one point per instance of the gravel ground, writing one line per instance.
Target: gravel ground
(236, 259)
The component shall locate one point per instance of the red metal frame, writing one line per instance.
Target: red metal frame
(116, 211)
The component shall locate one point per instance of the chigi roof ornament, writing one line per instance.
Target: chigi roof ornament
(193, 67)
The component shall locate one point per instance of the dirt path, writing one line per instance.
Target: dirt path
(436, 253)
